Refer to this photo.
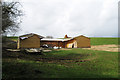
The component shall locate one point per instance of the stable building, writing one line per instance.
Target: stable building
(54, 42)
(75, 42)
(36, 41)
(29, 41)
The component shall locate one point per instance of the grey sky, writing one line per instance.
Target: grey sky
(72, 17)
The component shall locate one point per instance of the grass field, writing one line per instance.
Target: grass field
(104, 41)
(75, 63)
(13, 38)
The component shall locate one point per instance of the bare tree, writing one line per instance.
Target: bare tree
(51, 37)
(11, 17)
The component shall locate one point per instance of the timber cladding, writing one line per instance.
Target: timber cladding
(83, 42)
(36, 41)
(76, 42)
(53, 43)
(31, 42)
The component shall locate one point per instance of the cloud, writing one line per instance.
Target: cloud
(73, 17)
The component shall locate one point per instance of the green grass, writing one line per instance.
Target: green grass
(75, 63)
(104, 41)
(13, 38)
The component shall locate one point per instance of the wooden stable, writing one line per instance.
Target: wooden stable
(82, 42)
(36, 41)
(53, 43)
(76, 42)
(29, 41)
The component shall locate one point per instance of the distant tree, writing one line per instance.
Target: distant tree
(11, 17)
(49, 37)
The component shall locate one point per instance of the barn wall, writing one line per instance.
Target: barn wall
(31, 42)
(61, 44)
(75, 44)
(53, 43)
(49, 43)
(83, 42)
(68, 44)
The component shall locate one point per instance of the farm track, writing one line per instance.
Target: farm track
(111, 48)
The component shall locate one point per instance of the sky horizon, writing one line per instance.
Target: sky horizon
(92, 18)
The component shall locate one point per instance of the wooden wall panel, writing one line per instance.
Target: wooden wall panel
(31, 42)
(53, 43)
(83, 42)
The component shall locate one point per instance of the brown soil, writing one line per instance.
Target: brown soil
(111, 48)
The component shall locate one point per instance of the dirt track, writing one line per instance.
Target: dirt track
(111, 48)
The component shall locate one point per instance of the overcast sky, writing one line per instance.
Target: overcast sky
(96, 18)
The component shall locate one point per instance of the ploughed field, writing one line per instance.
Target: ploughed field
(63, 63)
